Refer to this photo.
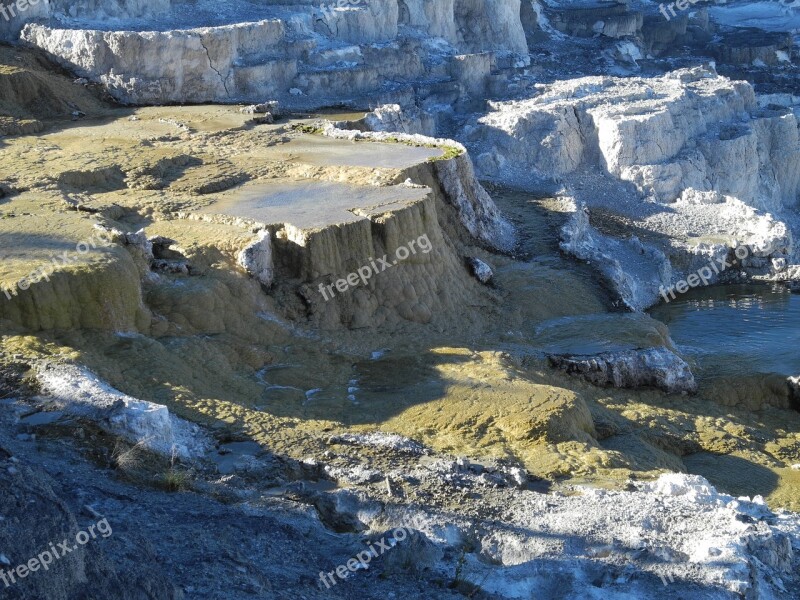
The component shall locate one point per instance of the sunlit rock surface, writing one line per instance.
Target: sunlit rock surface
(656, 367)
(688, 129)
(679, 154)
(305, 54)
(80, 393)
(248, 330)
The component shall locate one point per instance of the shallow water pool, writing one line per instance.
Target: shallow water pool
(736, 330)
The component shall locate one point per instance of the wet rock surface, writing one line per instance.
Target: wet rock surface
(654, 367)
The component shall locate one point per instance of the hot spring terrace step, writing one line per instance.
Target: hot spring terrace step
(338, 82)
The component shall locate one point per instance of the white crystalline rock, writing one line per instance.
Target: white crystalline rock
(272, 107)
(476, 210)
(196, 51)
(689, 156)
(359, 22)
(628, 51)
(688, 129)
(548, 141)
(637, 271)
(80, 392)
(726, 218)
(491, 25)
(471, 25)
(434, 17)
(651, 367)
(257, 259)
(394, 118)
(675, 537)
(380, 439)
(481, 270)
(191, 65)
(643, 274)
(695, 488)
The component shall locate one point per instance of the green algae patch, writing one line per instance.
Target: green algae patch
(738, 474)
(463, 371)
(290, 394)
(58, 272)
(450, 152)
(308, 129)
(487, 406)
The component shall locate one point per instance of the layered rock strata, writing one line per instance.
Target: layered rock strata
(690, 157)
(654, 367)
(304, 54)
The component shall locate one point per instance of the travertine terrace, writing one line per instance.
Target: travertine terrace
(355, 299)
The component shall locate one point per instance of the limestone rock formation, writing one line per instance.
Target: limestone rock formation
(304, 54)
(679, 154)
(653, 367)
(456, 178)
(690, 129)
(637, 271)
(588, 19)
(360, 327)
(480, 270)
(393, 118)
(257, 259)
(78, 392)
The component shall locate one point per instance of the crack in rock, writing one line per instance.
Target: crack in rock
(213, 68)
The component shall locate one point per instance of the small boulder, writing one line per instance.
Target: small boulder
(480, 270)
(272, 108)
(265, 119)
(651, 367)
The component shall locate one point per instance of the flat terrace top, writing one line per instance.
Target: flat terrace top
(324, 152)
(185, 15)
(768, 15)
(312, 204)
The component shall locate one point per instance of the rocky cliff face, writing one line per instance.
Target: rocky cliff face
(306, 54)
(694, 142)
(456, 183)
(688, 130)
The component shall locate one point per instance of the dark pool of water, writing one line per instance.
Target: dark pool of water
(736, 329)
